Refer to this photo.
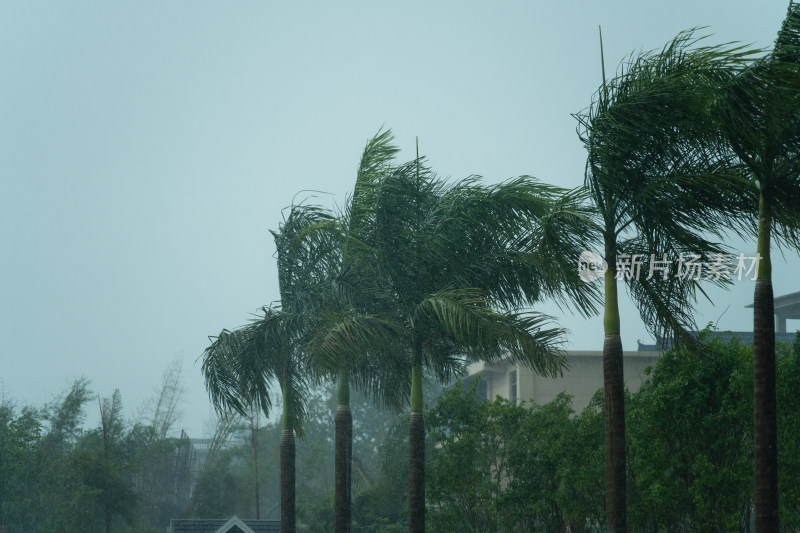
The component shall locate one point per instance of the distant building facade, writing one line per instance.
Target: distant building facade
(585, 373)
(581, 380)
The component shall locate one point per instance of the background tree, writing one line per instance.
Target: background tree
(60, 487)
(497, 466)
(225, 475)
(467, 468)
(160, 472)
(383, 506)
(58, 475)
(539, 486)
(115, 495)
(691, 440)
(166, 405)
(42, 488)
(788, 371)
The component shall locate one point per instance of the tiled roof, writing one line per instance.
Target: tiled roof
(212, 525)
(745, 337)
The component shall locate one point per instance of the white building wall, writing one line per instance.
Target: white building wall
(583, 378)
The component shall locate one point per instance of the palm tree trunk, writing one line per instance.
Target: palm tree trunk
(343, 454)
(254, 444)
(764, 394)
(287, 464)
(416, 439)
(614, 395)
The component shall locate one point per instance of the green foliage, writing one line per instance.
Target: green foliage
(691, 439)
(468, 466)
(57, 476)
(582, 469)
(788, 370)
(496, 466)
(492, 466)
(552, 462)
(41, 489)
(690, 433)
(380, 477)
(383, 505)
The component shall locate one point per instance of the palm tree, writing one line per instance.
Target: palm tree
(240, 366)
(760, 117)
(352, 297)
(655, 175)
(449, 263)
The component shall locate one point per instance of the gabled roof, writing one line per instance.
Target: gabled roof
(220, 525)
(234, 521)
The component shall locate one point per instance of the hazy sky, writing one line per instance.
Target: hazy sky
(146, 148)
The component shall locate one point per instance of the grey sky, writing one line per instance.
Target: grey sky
(147, 147)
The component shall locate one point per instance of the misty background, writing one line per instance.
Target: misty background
(146, 148)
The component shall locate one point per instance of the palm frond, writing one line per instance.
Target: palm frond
(385, 375)
(346, 337)
(308, 244)
(759, 114)
(232, 379)
(376, 160)
(560, 235)
(665, 292)
(240, 367)
(650, 139)
(467, 316)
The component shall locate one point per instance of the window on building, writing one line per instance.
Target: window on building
(482, 392)
(512, 386)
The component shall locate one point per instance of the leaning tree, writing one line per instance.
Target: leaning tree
(450, 265)
(759, 114)
(658, 179)
(241, 366)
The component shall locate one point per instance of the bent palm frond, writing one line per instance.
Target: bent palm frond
(468, 318)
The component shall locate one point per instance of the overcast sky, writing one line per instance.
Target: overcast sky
(146, 148)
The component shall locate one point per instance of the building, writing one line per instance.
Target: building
(786, 306)
(220, 525)
(585, 374)
(583, 378)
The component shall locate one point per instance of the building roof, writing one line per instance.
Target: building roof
(744, 337)
(787, 305)
(222, 525)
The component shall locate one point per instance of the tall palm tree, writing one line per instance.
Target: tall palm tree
(354, 297)
(316, 288)
(240, 366)
(760, 117)
(450, 263)
(655, 175)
